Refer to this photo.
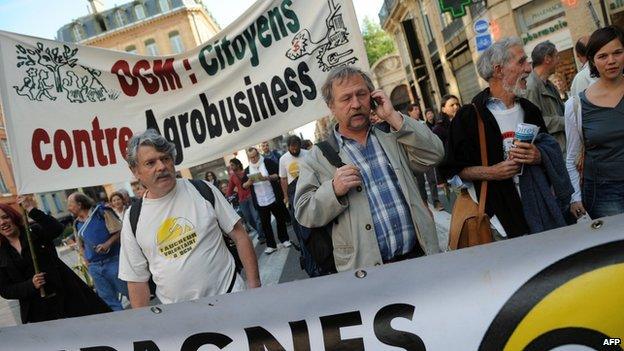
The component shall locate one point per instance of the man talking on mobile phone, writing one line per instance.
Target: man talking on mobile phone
(372, 201)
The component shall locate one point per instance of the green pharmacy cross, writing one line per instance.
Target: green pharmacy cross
(457, 8)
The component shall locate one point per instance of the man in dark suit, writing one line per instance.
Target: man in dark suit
(262, 176)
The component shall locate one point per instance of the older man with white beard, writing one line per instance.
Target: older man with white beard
(505, 67)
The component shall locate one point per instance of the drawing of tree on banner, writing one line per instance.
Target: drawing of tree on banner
(48, 58)
(69, 78)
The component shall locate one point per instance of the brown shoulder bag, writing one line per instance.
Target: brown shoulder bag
(470, 225)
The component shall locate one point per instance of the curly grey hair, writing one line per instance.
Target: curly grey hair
(497, 54)
(339, 74)
(148, 138)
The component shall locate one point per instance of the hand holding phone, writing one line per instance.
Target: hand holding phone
(373, 104)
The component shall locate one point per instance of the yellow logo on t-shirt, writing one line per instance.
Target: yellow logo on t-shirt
(176, 237)
(293, 169)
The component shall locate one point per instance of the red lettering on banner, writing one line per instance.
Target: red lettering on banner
(168, 76)
(98, 136)
(124, 136)
(130, 89)
(71, 147)
(152, 76)
(111, 135)
(150, 83)
(40, 136)
(62, 139)
(81, 138)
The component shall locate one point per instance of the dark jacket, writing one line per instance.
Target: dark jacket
(441, 128)
(272, 168)
(73, 297)
(463, 151)
(546, 188)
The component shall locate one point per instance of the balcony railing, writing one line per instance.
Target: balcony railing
(386, 9)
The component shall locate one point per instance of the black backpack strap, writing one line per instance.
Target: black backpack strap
(204, 190)
(330, 154)
(135, 211)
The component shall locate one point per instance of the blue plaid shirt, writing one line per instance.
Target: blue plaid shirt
(391, 216)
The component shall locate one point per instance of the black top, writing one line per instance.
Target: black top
(463, 151)
(603, 134)
(72, 298)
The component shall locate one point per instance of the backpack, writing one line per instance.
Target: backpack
(319, 242)
(208, 195)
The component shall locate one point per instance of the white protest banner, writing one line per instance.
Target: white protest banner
(71, 109)
(541, 292)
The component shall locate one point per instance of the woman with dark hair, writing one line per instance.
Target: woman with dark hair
(448, 108)
(245, 201)
(595, 130)
(67, 295)
(211, 178)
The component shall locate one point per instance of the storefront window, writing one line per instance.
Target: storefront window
(616, 12)
(539, 21)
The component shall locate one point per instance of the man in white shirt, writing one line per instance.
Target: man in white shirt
(289, 166)
(262, 176)
(506, 68)
(178, 235)
(289, 173)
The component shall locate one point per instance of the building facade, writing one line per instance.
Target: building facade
(143, 27)
(439, 52)
(388, 75)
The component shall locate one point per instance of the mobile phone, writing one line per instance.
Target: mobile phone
(373, 104)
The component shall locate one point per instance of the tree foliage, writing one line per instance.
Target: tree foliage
(376, 41)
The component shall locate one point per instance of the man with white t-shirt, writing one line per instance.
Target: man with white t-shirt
(505, 67)
(262, 177)
(178, 239)
(289, 167)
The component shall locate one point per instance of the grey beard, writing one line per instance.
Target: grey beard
(515, 90)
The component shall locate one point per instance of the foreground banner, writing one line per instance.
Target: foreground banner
(70, 110)
(547, 291)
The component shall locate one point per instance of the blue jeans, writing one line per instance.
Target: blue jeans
(107, 284)
(251, 216)
(603, 198)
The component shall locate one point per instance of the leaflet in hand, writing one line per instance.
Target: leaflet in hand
(526, 133)
(256, 177)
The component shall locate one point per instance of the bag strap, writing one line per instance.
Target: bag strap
(330, 154)
(200, 186)
(484, 161)
(204, 190)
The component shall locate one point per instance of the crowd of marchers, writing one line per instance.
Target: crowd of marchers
(355, 200)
